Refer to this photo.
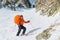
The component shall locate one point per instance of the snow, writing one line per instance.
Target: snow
(37, 24)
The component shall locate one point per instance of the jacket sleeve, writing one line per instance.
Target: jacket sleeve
(25, 21)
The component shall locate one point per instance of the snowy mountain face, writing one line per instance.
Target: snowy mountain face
(14, 4)
(37, 25)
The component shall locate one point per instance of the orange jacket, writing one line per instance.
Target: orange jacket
(17, 20)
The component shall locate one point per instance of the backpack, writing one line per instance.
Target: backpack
(17, 19)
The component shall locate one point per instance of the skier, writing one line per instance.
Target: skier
(19, 20)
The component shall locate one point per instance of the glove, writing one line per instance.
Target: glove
(28, 21)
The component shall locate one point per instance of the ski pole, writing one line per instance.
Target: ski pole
(32, 24)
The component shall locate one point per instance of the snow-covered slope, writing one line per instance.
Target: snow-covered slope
(37, 24)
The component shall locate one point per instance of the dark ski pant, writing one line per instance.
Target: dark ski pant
(19, 30)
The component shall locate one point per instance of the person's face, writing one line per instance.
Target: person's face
(21, 17)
